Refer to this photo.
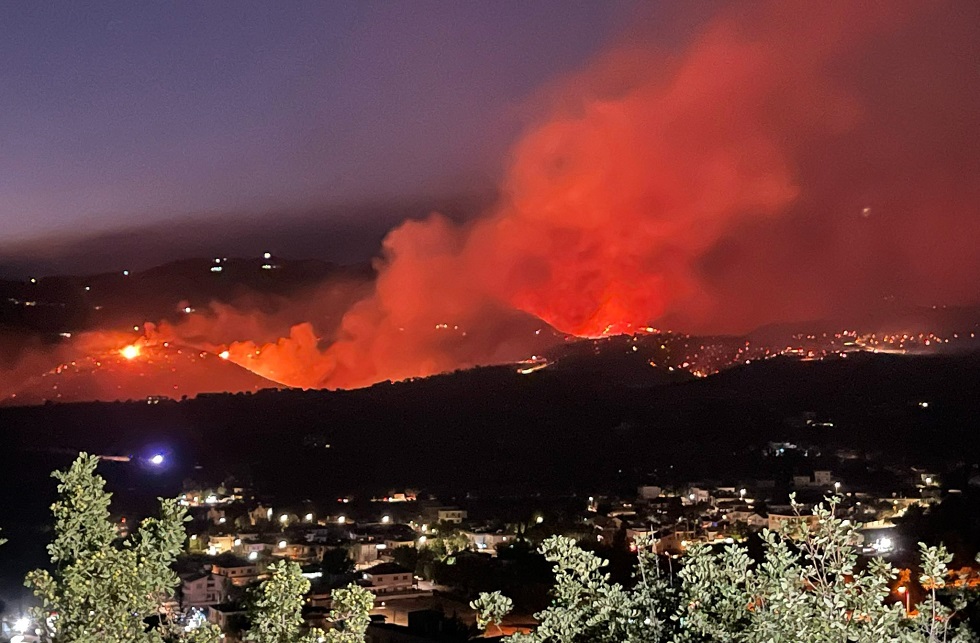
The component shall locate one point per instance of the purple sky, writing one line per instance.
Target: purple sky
(119, 114)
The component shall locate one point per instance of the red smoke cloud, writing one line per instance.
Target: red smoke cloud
(668, 188)
(616, 201)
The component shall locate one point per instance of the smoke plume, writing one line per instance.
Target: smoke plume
(748, 180)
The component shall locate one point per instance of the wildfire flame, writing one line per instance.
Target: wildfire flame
(130, 352)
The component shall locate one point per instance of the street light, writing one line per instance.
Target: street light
(904, 591)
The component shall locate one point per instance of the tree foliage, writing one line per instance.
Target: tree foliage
(277, 610)
(104, 589)
(277, 605)
(350, 614)
(807, 587)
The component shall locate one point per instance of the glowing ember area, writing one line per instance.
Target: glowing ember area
(131, 352)
(144, 370)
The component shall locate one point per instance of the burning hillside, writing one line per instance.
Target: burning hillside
(135, 371)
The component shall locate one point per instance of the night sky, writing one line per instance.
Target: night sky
(118, 114)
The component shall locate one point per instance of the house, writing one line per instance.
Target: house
(367, 553)
(423, 625)
(675, 542)
(227, 616)
(218, 545)
(749, 518)
(388, 577)
(453, 515)
(776, 521)
(487, 541)
(640, 534)
(697, 495)
(202, 589)
(822, 478)
(238, 573)
(391, 544)
(298, 551)
(259, 515)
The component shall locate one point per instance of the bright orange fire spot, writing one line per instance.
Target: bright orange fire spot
(224, 354)
(130, 352)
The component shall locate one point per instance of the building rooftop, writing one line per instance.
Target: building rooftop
(387, 568)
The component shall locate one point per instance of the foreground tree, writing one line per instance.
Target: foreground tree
(277, 610)
(277, 606)
(808, 587)
(104, 589)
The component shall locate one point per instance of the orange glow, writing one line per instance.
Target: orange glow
(224, 354)
(131, 352)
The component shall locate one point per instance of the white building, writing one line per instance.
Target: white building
(238, 573)
(487, 542)
(202, 590)
(454, 515)
(388, 578)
